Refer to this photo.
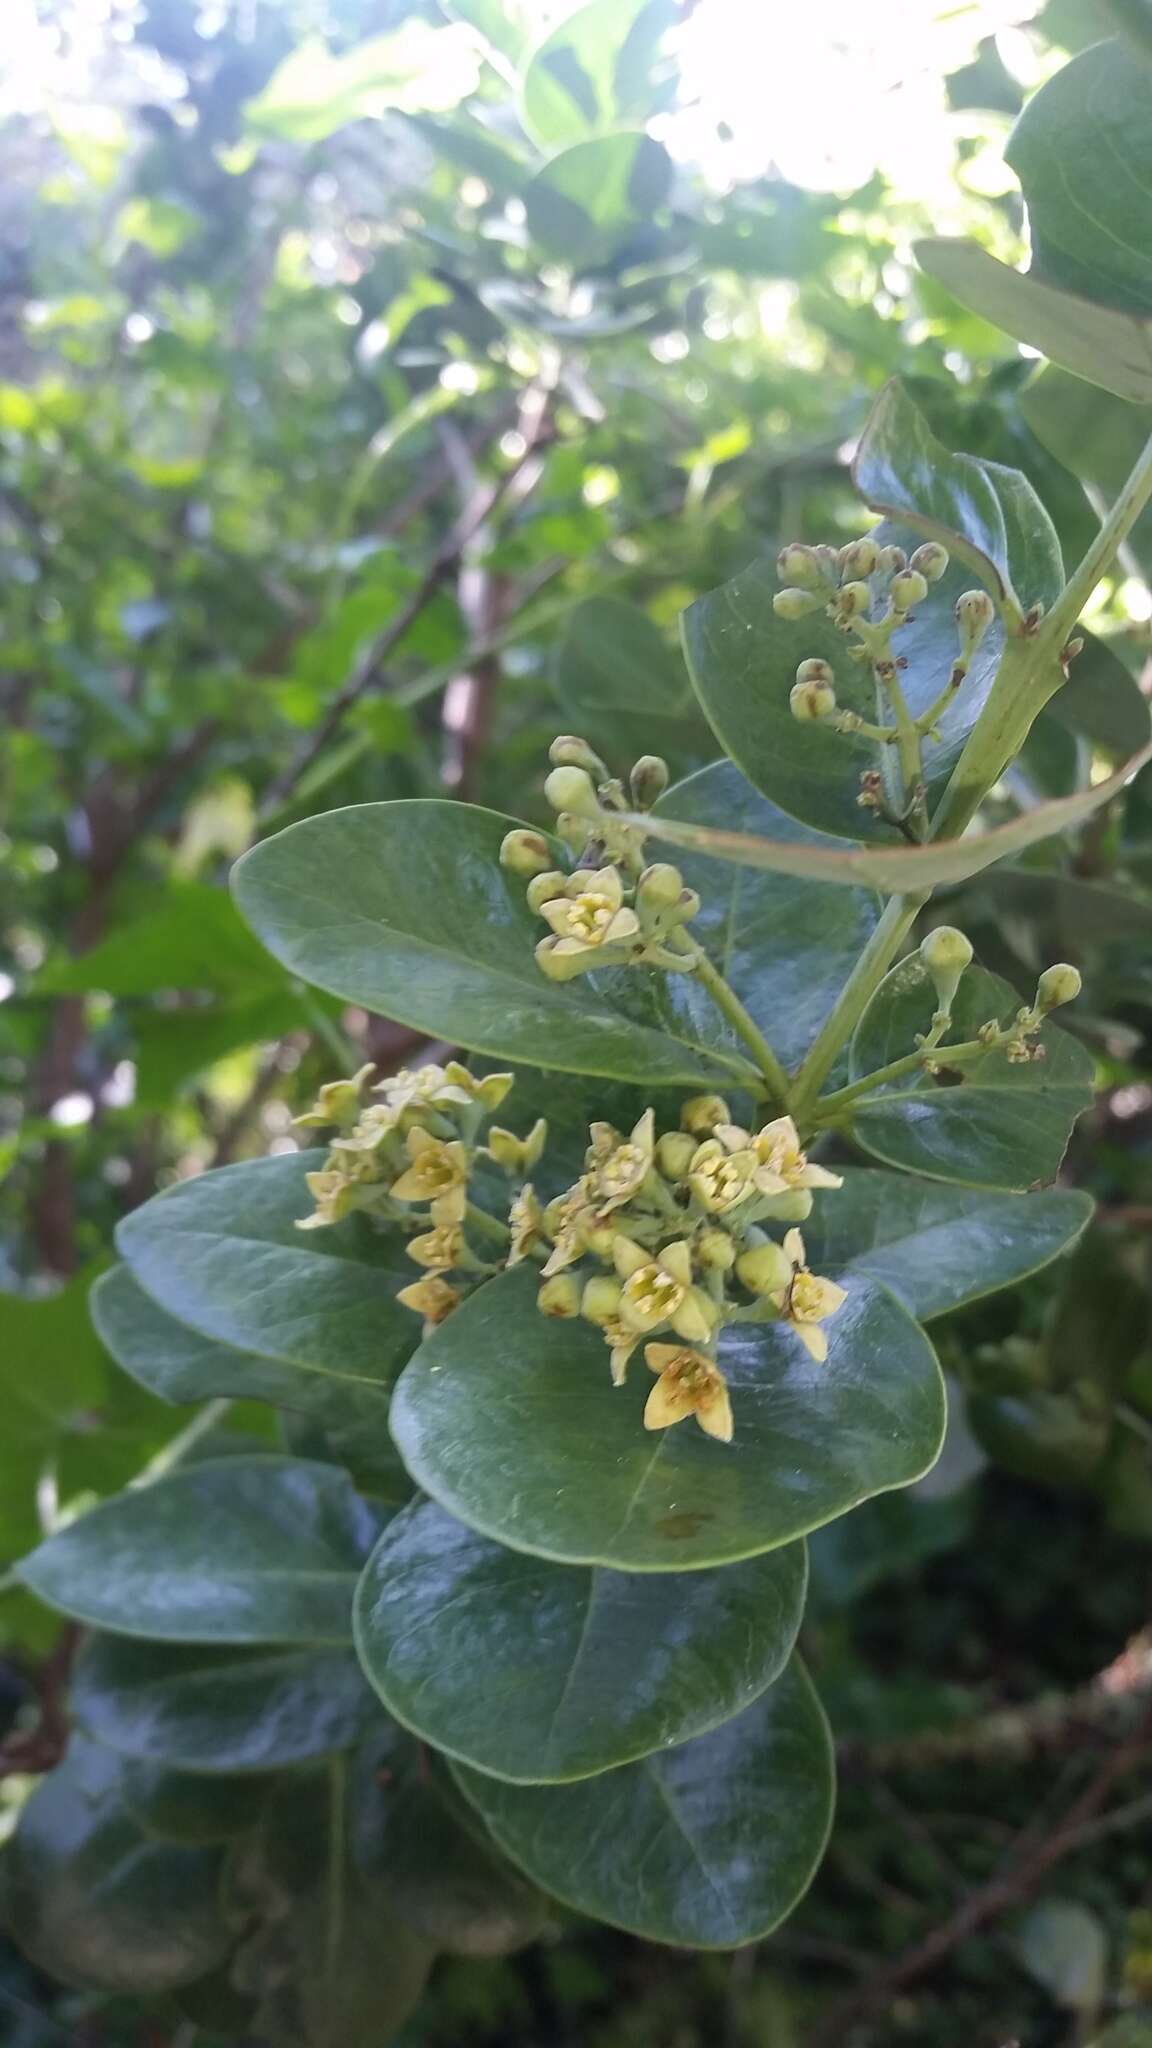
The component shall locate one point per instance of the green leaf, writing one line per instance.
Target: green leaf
(583, 1670)
(1107, 347)
(195, 940)
(1000, 1124)
(938, 1247)
(92, 1901)
(245, 1550)
(585, 76)
(1095, 435)
(987, 515)
(53, 1377)
(209, 1711)
(183, 1806)
(1102, 701)
(586, 200)
(901, 870)
(416, 68)
(611, 659)
(511, 1422)
(707, 1845)
(176, 1362)
(222, 1253)
(405, 908)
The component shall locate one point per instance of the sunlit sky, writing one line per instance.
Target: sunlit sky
(845, 87)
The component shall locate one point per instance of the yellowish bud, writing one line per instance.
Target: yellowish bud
(600, 1301)
(715, 1251)
(799, 565)
(525, 853)
(854, 600)
(790, 1207)
(891, 560)
(1057, 985)
(559, 1296)
(701, 1114)
(567, 751)
(545, 888)
(570, 789)
(975, 612)
(859, 558)
(674, 1153)
(814, 700)
(930, 561)
(765, 1269)
(946, 953)
(796, 604)
(659, 887)
(648, 781)
(814, 670)
(908, 588)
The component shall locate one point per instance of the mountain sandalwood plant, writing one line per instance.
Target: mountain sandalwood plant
(578, 1335)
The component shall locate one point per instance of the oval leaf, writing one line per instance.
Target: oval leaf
(938, 1247)
(244, 1550)
(207, 1710)
(511, 1422)
(222, 1253)
(583, 1670)
(999, 1124)
(726, 1830)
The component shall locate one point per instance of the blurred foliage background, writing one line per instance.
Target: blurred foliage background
(378, 382)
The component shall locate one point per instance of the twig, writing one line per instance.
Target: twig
(32, 1750)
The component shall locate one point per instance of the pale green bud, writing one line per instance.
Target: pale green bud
(600, 1300)
(975, 612)
(525, 853)
(908, 588)
(1057, 985)
(860, 557)
(715, 1251)
(891, 561)
(790, 1207)
(518, 1155)
(545, 889)
(648, 781)
(946, 953)
(701, 1114)
(559, 1296)
(811, 700)
(854, 600)
(765, 1269)
(799, 565)
(815, 671)
(561, 966)
(659, 887)
(796, 604)
(571, 789)
(674, 1153)
(930, 561)
(569, 751)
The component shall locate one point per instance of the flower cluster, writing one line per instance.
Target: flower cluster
(612, 910)
(405, 1158)
(669, 1233)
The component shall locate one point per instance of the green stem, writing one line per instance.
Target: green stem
(730, 1006)
(177, 1448)
(830, 1107)
(907, 746)
(857, 992)
(939, 705)
(489, 1226)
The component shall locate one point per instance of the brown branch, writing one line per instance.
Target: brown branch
(32, 1750)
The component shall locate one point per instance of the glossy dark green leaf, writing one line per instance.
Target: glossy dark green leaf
(511, 1422)
(207, 1711)
(583, 1669)
(404, 907)
(707, 1845)
(176, 1362)
(1102, 700)
(1001, 1124)
(986, 514)
(184, 1806)
(245, 1550)
(584, 202)
(222, 1253)
(91, 1900)
(936, 1247)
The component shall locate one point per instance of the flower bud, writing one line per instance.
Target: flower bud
(560, 966)
(860, 557)
(715, 1251)
(701, 1114)
(518, 1155)
(544, 889)
(559, 1296)
(568, 751)
(525, 853)
(811, 700)
(829, 562)
(946, 953)
(648, 781)
(908, 588)
(1057, 985)
(891, 561)
(799, 565)
(601, 1298)
(574, 831)
(570, 789)
(796, 604)
(854, 600)
(930, 561)
(764, 1269)
(659, 887)
(975, 612)
(674, 1154)
(814, 670)
(790, 1207)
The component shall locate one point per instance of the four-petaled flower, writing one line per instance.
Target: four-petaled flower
(338, 1102)
(806, 1300)
(688, 1383)
(439, 1249)
(431, 1298)
(780, 1162)
(438, 1173)
(658, 1289)
(337, 1191)
(591, 913)
(618, 1167)
(721, 1179)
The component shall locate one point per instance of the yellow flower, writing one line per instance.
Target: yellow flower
(701, 1114)
(369, 1132)
(719, 1179)
(338, 1102)
(622, 1342)
(431, 1298)
(806, 1300)
(618, 1167)
(517, 1155)
(438, 1172)
(526, 1223)
(780, 1163)
(658, 1289)
(688, 1383)
(427, 1087)
(339, 1189)
(590, 914)
(438, 1249)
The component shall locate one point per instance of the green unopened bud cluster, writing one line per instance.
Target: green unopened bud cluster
(945, 955)
(666, 1234)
